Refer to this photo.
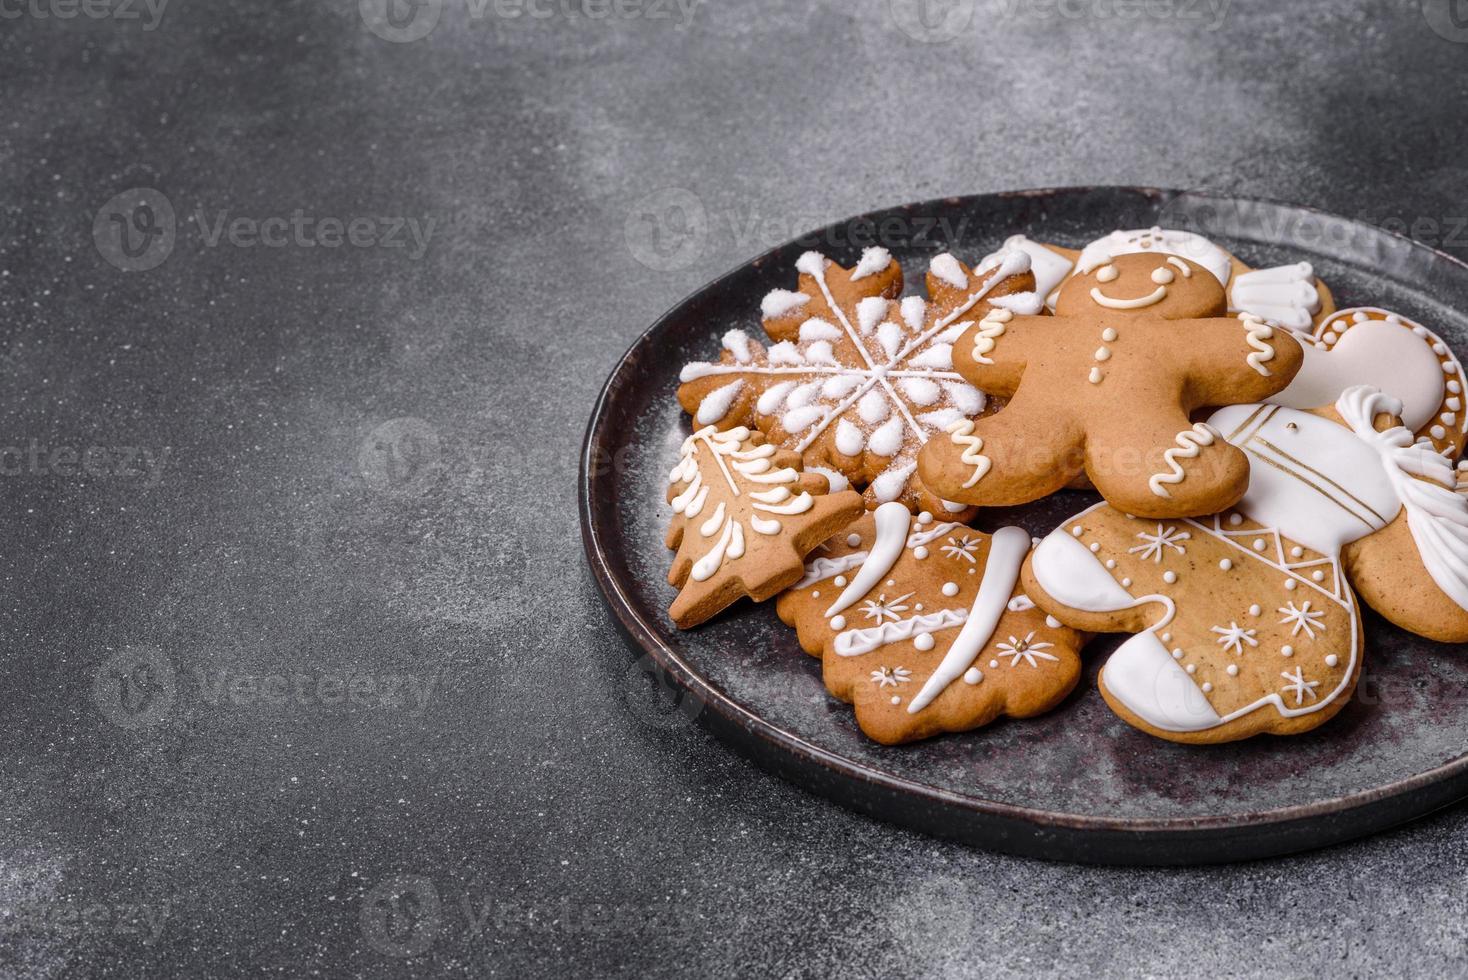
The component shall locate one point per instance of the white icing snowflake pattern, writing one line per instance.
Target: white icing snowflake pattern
(966, 548)
(1233, 637)
(1303, 618)
(881, 608)
(1298, 686)
(891, 676)
(1027, 649)
(1154, 545)
(882, 375)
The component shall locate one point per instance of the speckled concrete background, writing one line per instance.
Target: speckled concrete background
(304, 671)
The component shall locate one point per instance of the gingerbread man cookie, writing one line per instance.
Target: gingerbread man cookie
(1246, 621)
(1106, 387)
(744, 518)
(857, 379)
(919, 625)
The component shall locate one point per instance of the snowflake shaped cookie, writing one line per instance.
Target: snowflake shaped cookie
(858, 379)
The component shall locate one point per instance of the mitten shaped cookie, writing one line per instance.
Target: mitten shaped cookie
(919, 626)
(1106, 386)
(744, 518)
(856, 379)
(1246, 621)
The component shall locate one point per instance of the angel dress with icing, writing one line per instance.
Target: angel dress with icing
(1106, 387)
(919, 626)
(856, 379)
(1247, 621)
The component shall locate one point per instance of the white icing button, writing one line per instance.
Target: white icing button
(1177, 654)
(1207, 687)
(852, 540)
(1226, 564)
(973, 675)
(816, 594)
(1329, 337)
(1233, 670)
(1077, 530)
(891, 582)
(1103, 353)
(1108, 335)
(896, 699)
(1166, 637)
(950, 588)
(1111, 563)
(1360, 316)
(1095, 547)
(918, 607)
(1454, 387)
(1437, 432)
(925, 518)
(1289, 585)
(1169, 576)
(973, 571)
(1192, 668)
(1258, 544)
(1449, 367)
(840, 580)
(1052, 622)
(920, 552)
(1287, 650)
(838, 622)
(1126, 583)
(1296, 551)
(1317, 576)
(993, 664)
(1254, 610)
(1235, 519)
(1332, 660)
(923, 641)
(1095, 376)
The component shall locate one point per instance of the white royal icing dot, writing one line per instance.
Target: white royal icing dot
(840, 580)
(852, 540)
(972, 676)
(891, 582)
(993, 665)
(1233, 670)
(1332, 660)
(816, 594)
(1177, 654)
(1287, 650)
(950, 588)
(1108, 335)
(1226, 564)
(920, 552)
(896, 699)
(1258, 544)
(1126, 583)
(1192, 668)
(1169, 576)
(1095, 547)
(1052, 622)
(1207, 687)
(1297, 552)
(1077, 530)
(1317, 576)
(1111, 563)
(1254, 610)
(1289, 585)
(925, 518)
(1235, 519)
(838, 622)
(923, 641)
(1166, 637)
(917, 607)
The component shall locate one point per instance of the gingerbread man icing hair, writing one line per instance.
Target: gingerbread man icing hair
(1106, 387)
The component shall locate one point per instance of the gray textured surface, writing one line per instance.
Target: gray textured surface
(282, 537)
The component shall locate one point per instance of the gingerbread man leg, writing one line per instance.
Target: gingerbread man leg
(1186, 470)
(1025, 452)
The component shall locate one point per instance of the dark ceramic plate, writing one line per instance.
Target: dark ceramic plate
(1076, 784)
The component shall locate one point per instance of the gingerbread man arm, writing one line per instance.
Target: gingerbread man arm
(1026, 451)
(1236, 360)
(992, 354)
(1161, 465)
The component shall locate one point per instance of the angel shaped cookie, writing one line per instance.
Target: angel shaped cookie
(857, 378)
(1246, 621)
(1106, 387)
(920, 626)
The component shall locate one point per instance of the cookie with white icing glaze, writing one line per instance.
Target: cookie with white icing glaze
(744, 518)
(1372, 346)
(1338, 498)
(1106, 387)
(856, 378)
(920, 626)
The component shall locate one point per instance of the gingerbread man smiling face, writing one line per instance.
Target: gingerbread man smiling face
(1106, 387)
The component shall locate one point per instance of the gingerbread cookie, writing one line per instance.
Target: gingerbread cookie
(1370, 346)
(744, 518)
(1246, 621)
(1105, 387)
(857, 379)
(919, 626)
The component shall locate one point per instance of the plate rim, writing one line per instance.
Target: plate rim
(1054, 833)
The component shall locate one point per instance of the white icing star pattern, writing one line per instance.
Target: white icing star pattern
(881, 608)
(1298, 686)
(1027, 649)
(881, 377)
(965, 549)
(1233, 637)
(1154, 545)
(891, 676)
(1303, 618)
